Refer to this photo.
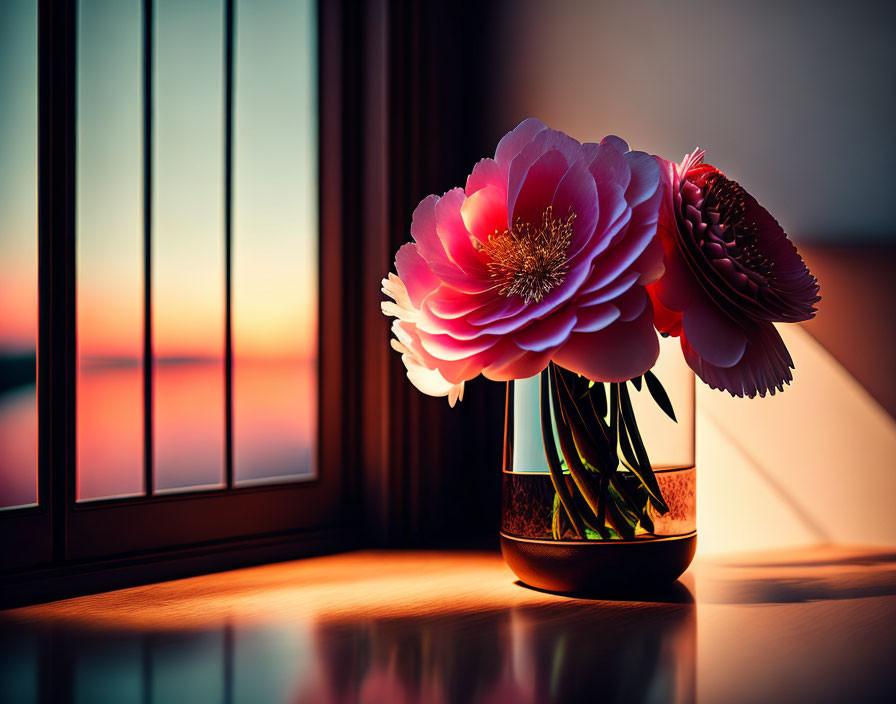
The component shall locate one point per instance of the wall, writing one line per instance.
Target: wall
(794, 99)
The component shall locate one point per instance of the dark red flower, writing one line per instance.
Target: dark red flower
(731, 272)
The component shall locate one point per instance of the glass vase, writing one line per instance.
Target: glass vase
(599, 482)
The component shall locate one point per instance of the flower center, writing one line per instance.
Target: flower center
(728, 199)
(530, 260)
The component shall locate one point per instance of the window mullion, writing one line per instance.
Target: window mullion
(228, 236)
(147, 247)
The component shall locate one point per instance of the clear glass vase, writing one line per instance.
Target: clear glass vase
(599, 483)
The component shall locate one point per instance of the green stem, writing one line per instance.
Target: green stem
(570, 453)
(595, 494)
(643, 468)
(550, 450)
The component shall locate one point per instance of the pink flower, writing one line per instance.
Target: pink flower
(730, 273)
(544, 256)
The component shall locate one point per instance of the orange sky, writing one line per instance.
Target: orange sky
(274, 179)
(275, 227)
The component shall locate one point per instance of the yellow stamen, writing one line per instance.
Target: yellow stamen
(530, 261)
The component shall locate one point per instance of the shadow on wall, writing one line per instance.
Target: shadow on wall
(813, 464)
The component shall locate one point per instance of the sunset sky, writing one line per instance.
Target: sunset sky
(18, 175)
(275, 194)
(275, 226)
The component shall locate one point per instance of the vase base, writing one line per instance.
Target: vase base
(599, 568)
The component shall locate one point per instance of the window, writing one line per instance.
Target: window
(182, 422)
(165, 154)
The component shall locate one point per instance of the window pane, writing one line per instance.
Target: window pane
(18, 252)
(110, 248)
(188, 245)
(275, 241)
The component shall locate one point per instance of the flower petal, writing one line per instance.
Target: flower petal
(645, 178)
(454, 235)
(448, 303)
(650, 264)
(666, 321)
(500, 308)
(517, 365)
(676, 288)
(429, 246)
(764, 366)
(485, 213)
(616, 353)
(594, 318)
(418, 278)
(423, 230)
(609, 168)
(486, 173)
(430, 381)
(577, 193)
(394, 287)
(632, 303)
(546, 333)
(712, 334)
(536, 189)
(555, 139)
(513, 142)
(614, 216)
(590, 296)
(566, 291)
(455, 371)
(618, 143)
(450, 348)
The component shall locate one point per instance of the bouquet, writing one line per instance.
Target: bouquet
(571, 259)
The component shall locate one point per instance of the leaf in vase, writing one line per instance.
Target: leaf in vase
(642, 468)
(626, 447)
(556, 531)
(574, 411)
(636, 382)
(633, 496)
(659, 394)
(623, 522)
(569, 444)
(550, 422)
(599, 399)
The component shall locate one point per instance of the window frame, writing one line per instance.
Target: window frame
(61, 547)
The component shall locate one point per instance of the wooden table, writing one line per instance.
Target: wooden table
(814, 625)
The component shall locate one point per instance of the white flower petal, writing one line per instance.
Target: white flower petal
(403, 335)
(454, 394)
(430, 381)
(398, 347)
(397, 291)
(391, 309)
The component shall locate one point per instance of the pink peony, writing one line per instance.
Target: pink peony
(544, 256)
(730, 273)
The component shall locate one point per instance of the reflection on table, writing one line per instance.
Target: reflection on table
(456, 627)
